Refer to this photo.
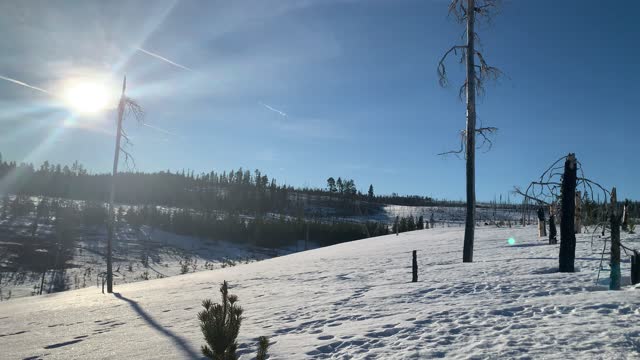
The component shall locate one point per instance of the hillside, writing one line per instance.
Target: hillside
(354, 300)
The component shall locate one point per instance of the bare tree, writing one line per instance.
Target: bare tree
(126, 107)
(465, 12)
(557, 185)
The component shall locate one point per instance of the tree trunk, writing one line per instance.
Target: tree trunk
(44, 273)
(469, 229)
(542, 226)
(578, 220)
(614, 283)
(625, 215)
(567, 215)
(553, 233)
(111, 220)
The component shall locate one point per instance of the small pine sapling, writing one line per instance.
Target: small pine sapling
(263, 347)
(220, 324)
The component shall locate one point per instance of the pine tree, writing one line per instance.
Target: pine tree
(411, 224)
(370, 193)
(220, 324)
(263, 347)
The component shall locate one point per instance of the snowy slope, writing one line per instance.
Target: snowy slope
(354, 300)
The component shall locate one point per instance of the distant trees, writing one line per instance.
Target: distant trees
(408, 223)
(331, 186)
(238, 191)
(370, 194)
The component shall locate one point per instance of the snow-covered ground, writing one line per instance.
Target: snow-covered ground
(355, 301)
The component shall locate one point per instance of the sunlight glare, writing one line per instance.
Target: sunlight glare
(87, 97)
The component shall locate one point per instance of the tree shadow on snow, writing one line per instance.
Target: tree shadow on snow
(181, 343)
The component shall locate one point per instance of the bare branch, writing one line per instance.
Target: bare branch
(485, 132)
(457, 153)
(442, 72)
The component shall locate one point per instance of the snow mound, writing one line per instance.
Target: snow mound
(354, 301)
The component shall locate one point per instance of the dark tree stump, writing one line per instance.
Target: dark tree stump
(567, 215)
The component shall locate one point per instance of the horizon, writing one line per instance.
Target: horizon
(304, 91)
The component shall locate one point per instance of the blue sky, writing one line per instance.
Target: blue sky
(356, 79)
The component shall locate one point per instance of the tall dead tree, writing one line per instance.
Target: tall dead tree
(614, 283)
(125, 106)
(465, 12)
(567, 215)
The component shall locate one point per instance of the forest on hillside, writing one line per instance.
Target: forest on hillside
(235, 191)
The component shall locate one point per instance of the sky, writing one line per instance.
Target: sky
(304, 90)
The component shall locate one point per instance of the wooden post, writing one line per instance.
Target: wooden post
(415, 266)
(567, 215)
(614, 283)
(635, 267)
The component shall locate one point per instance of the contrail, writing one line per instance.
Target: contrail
(273, 109)
(163, 59)
(24, 84)
(159, 129)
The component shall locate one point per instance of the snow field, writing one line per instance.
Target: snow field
(355, 301)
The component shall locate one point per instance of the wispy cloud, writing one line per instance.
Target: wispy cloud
(18, 82)
(282, 113)
(159, 129)
(159, 57)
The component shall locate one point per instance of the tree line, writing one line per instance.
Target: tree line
(69, 217)
(240, 191)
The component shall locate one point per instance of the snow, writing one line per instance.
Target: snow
(355, 301)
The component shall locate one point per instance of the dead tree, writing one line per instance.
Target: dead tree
(567, 215)
(553, 233)
(465, 12)
(614, 283)
(625, 215)
(559, 183)
(126, 106)
(542, 228)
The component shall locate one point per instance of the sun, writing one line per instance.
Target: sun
(86, 97)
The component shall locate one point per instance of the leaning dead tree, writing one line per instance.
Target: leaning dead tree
(126, 107)
(557, 189)
(468, 12)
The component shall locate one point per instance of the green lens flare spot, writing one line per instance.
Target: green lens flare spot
(511, 241)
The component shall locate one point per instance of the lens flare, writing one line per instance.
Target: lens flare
(87, 97)
(511, 241)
